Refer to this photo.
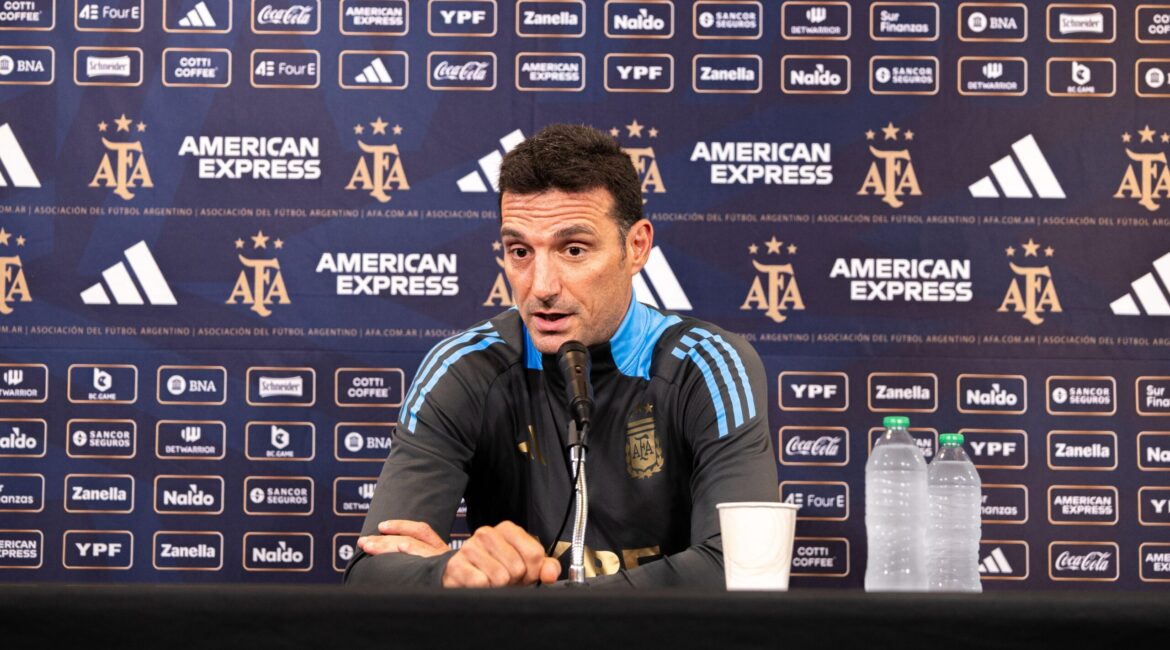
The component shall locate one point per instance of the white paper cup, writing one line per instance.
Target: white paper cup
(757, 544)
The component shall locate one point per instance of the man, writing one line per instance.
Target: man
(680, 421)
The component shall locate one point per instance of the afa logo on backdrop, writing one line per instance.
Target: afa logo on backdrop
(1032, 291)
(891, 175)
(644, 159)
(13, 284)
(1147, 177)
(260, 283)
(774, 289)
(123, 166)
(379, 170)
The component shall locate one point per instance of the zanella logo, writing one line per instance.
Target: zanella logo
(1147, 177)
(1032, 291)
(379, 170)
(643, 157)
(260, 282)
(13, 162)
(13, 284)
(891, 175)
(774, 289)
(123, 166)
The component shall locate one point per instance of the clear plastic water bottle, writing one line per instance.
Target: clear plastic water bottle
(895, 511)
(954, 528)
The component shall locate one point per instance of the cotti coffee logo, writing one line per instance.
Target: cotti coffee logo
(1032, 291)
(28, 15)
(766, 163)
(278, 495)
(123, 166)
(891, 175)
(197, 67)
(1147, 176)
(254, 158)
(13, 290)
(260, 283)
(379, 170)
(187, 551)
(1084, 561)
(369, 387)
(1152, 23)
(822, 557)
(278, 552)
(905, 280)
(774, 289)
(188, 495)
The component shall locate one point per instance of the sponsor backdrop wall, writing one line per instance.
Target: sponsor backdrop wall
(230, 230)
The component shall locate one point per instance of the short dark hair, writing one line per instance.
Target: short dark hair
(574, 158)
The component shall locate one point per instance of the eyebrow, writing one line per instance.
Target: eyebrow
(567, 232)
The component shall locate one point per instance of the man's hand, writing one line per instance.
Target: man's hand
(495, 556)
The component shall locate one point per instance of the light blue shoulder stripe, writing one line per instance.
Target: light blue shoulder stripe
(712, 386)
(439, 350)
(633, 344)
(420, 389)
(740, 370)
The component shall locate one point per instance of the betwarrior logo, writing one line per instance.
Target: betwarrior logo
(774, 289)
(379, 170)
(260, 282)
(500, 294)
(891, 175)
(13, 285)
(1036, 293)
(643, 157)
(1147, 177)
(123, 165)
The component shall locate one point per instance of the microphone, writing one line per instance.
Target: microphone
(573, 359)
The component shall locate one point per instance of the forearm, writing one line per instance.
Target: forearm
(396, 569)
(698, 567)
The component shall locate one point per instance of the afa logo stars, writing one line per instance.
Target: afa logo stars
(123, 166)
(891, 175)
(379, 170)
(13, 285)
(260, 283)
(500, 295)
(774, 290)
(1147, 176)
(643, 157)
(1032, 292)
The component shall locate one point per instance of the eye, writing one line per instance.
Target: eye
(575, 251)
(518, 252)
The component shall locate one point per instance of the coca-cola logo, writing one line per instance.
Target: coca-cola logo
(292, 16)
(1091, 562)
(468, 71)
(820, 447)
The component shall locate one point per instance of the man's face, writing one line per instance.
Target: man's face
(570, 272)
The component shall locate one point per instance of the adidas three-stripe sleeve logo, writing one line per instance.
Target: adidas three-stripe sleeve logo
(730, 385)
(438, 362)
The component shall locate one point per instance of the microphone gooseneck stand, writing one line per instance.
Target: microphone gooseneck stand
(577, 451)
(575, 364)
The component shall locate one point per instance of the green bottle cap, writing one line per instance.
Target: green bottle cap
(950, 439)
(895, 422)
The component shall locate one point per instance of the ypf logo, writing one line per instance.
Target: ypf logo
(1147, 176)
(123, 165)
(891, 175)
(379, 170)
(1032, 291)
(643, 157)
(260, 282)
(13, 285)
(774, 289)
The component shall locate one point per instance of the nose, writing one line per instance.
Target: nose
(546, 279)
